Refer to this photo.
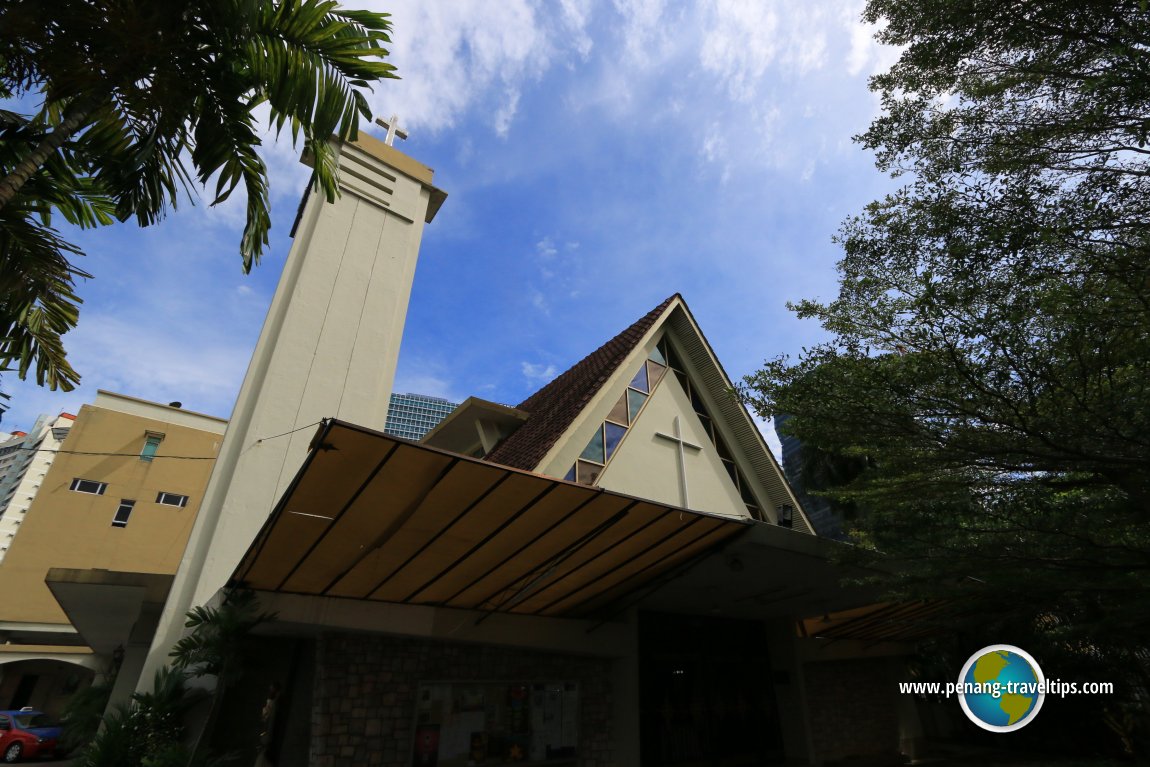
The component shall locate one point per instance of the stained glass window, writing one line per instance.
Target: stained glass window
(618, 413)
(635, 402)
(586, 472)
(655, 373)
(594, 450)
(613, 433)
(593, 460)
(640, 381)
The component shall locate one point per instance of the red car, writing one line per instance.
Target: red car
(26, 734)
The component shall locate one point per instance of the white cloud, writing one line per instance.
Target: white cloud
(202, 370)
(506, 112)
(30, 401)
(648, 105)
(806, 39)
(866, 55)
(576, 15)
(545, 249)
(559, 261)
(862, 48)
(740, 43)
(538, 374)
(644, 29)
(451, 56)
(713, 148)
(428, 383)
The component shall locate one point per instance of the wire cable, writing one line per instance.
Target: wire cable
(155, 457)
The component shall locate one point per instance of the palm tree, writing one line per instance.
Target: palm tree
(137, 101)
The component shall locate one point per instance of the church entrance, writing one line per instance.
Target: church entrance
(705, 697)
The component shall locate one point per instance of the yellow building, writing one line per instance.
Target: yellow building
(114, 510)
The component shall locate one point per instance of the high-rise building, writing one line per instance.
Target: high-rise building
(24, 461)
(410, 416)
(824, 519)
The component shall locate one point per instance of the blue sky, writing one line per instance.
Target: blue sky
(598, 157)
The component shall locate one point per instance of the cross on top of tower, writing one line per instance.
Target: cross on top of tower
(392, 128)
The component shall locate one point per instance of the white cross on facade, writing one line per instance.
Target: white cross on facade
(392, 128)
(682, 446)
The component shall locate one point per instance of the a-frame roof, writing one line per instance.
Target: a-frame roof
(553, 408)
(553, 411)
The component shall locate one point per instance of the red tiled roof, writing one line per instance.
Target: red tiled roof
(557, 404)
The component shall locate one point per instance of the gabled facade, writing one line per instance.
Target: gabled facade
(651, 413)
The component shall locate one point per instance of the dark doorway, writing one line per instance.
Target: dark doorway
(705, 693)
(278, 668)
(23, 692)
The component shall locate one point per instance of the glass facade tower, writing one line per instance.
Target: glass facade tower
(410, 416)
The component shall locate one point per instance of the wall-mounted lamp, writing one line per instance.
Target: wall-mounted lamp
(786, 515)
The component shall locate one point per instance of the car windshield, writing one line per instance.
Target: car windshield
(32, 720)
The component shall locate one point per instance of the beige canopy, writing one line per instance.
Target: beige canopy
(373, 517)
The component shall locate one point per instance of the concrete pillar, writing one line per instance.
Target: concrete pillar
(790, 692)
(136, 649)
(911, 734)
(625, 699)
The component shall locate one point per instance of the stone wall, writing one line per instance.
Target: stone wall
(366, 687)
(853, 710)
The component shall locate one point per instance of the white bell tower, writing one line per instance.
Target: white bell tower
(328, 348)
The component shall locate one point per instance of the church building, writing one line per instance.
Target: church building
(612, 572)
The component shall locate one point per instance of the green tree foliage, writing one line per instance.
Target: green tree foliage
(138, 102)
(213, 647)
(147, 732)
(989, 349)
(84, 714)
(150, 731)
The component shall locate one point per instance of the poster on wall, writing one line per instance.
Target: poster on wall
(471, 724)
(426, 745)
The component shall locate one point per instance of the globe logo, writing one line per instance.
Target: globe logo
(1001, 688)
